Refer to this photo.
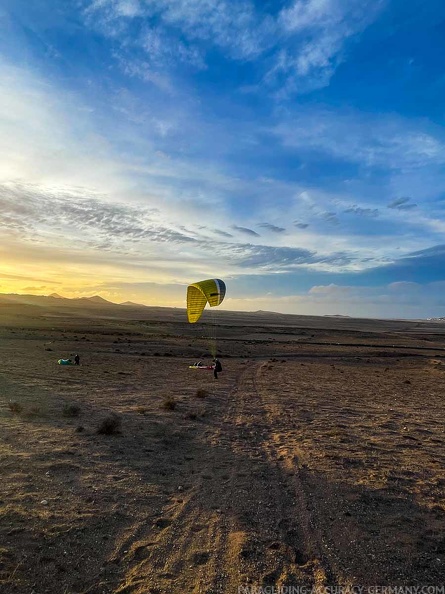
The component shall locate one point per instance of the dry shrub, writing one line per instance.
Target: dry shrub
(110, 425)
(197, 413)
(169, 403)
(141, 410)
(71, 410)
(15, 407)
(201, 393)
(34, 411)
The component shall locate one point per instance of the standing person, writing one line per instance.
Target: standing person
(77, 360)
(216, 367)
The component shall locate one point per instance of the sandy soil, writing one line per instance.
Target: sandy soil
(316, 458)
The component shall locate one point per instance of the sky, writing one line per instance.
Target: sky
(293, 148)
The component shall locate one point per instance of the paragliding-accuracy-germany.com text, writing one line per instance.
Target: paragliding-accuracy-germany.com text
(356, 589)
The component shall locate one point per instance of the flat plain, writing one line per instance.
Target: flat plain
(317, 458)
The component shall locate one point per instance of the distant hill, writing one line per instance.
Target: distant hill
(14, 304)
(132, 304)
(267, 313)
(54, 299)
(96, 299)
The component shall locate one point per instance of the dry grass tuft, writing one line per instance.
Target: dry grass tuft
(71, 410)
(34, 411)
(15, 407)
(201, 393)
(110, 425)
(169, 403)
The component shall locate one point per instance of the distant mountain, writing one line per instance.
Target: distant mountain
(54, 299)
(132, 304)
(97, 299)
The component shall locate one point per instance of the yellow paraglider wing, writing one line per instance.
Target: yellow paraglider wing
(211, 291)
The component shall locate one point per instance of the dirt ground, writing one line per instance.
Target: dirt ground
(316, 459)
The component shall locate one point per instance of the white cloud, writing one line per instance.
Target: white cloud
(302, 15)
(318, 31)
(237, 28)
(387, 142)
(47, 136)
(301, 46)
(64, 184)
(129, 8)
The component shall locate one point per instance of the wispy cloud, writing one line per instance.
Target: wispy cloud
(68, 219)
(48, 134)
(47, 212)
(330, 217)
(270, 227)
(263, 257)
(387, 142)
(402, 204)
(318, 31)
(362, 212)
(126, 155)
(245, 230)
(238, 29)
(304, 41)
(222, 233)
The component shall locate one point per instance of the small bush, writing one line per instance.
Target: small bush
(169, 403)
(201, 393)
(110, 425)
(15, 407)
(71, 410)
(141, 410)
(202, 412)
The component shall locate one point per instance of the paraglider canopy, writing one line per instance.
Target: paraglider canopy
(211, 291)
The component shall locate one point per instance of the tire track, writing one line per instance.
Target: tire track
(282, 450)
(243, 520)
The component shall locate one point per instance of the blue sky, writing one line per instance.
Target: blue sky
(294, 148)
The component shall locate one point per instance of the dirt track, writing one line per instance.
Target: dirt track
(302, 470)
